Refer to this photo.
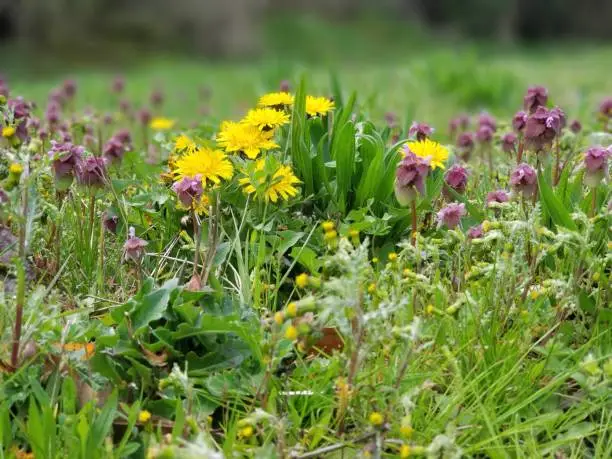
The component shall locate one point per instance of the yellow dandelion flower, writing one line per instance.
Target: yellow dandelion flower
(291, 333)
(244, 138)
(405, 451)
(183, 144)
(276, 99)
(302, 280)
(162, 124)
(271, 184)
(8, 131)
(15, 169)
(144, 416)
(318, 106)
(265, 119)
(376, 418)
(212, 165)
(437, 153)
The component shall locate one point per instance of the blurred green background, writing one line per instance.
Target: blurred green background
(421, 59)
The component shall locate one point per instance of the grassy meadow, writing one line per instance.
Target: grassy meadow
(202, 261)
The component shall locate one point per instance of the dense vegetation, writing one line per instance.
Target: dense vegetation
(313, 276)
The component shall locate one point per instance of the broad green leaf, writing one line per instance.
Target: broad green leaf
(153, 305)
(555, 208)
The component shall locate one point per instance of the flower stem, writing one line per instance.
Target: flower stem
(414, 222)
(197, 238)
(521, 148)
(557, 161)
(594, 202)
(20, 280)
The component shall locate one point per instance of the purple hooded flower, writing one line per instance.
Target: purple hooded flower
(596, 165)
(484, 134)
(144, 116)
(519, 121)
(456, 178)
(134, 247)
(485, 119)
(189, 190)
(21, 109)
(475, 232)
(575, 126)
(117, 146)
(536, 96)
(460, 123)
(56, 96)
(524, 179)
(556, 119)
(53, 114)
(157, 98)
(69, 88)
(110, 221)
(91, 171)
(420, 131)
(497, 196)
(64, 159)
(540, 129)
(509, 142)
(451, 215)
(391, 119)
(605, 108)
(410, 177)
(124, 136)
(285, 86)
(118, 84)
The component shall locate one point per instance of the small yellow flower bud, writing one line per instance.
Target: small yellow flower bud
(246, 432)
(372, 288)
(406, 431)
(392, 256)
(375, 260)
(302, 280)
(144, 416)
(328, 226)
(429, 309)
(8, 131)
(354, 233)
(291, 333)
(534, 294)
(406, 272)
(486, 226)
(292, 309)
(15, 169)
(376, 418)
(596, 276)
(330, 236)
(279, 318)
(405, 451)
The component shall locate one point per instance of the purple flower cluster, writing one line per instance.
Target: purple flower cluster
(189, 190)
(64, 159)
(537, 96)
(117, 146)
(91, 171)
(410, 178)
(134, 247)
(524, 179)
(543, 126)
(519, 121)
(456, 178)
(451, 215)
(596, 164)
(499, 196)
(509, 142)
(420, 131)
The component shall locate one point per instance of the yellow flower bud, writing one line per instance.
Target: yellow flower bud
(292, 309)
(596, 276)
(354, 233)
(302, 280)
(392, 256)
(375, 260)
(246, 432)
(405, 451)
(144, 416)
(372, 288)
(291, 333)
(330, 235)
(429, 309)
(279, 318)
(486, 226)
(406, 431)
(328, 226)
(376, 418)
(15, 169)
(8, 131)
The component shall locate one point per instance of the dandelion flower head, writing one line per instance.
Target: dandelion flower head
(244, 138)
(318, 106)
(211, 165)
(270, 181)
(437, 153)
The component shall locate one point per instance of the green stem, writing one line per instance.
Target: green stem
(414, 222)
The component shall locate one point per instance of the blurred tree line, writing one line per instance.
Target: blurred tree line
(230, 27)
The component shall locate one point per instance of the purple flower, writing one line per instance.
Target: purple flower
(410, 177)
(125, 106)
(540, 128)
(134, 247)
(56, 96)
(456, 178)
(64, 159)
(451, 215)
(124, 136)
(556, 119)
(465, 145)
(536, 96)
(605, 108)
(157, 98)
(285, 86)
(21, 109)
(144, 116)
(91, 171)
(519, 121)
(524, 179)
(484, 134)
(420, 130)
(117, 146)
(596, 165)
(189, 190)
(53, 114)
(497, 196)
(485, 119)
(118, 84)
(475, 232)
(575, 126)
(69, 88)
(509, 141)
(391, 119)
(460, 123)
(110, 221)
